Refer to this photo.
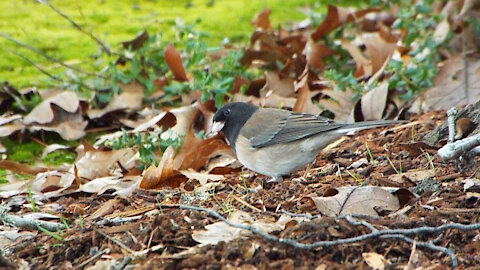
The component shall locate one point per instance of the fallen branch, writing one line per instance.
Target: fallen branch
(459, 148)
(399, 234)
(26, 223)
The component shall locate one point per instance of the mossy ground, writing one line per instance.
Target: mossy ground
(38, 25)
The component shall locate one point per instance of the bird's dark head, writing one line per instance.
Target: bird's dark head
(230, 118)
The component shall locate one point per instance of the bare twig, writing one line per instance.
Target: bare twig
(27, 223)
(122, 245)
(451, 114)
(375, 233)
(306, 216)
(91, 259)
(458, 148)
(36, 66)
(428, 245)
(76, 25)
(35, 50)
(48, 74)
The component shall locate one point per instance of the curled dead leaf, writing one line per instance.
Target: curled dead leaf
(162, 175)
(174, 62)
(196, 152)
(261, 20)
(304, 98)
(96, 164)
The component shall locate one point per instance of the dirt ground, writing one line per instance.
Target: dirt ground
(158, 221)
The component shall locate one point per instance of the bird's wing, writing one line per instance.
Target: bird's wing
(283, 127)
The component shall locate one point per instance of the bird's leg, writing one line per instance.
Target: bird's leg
(276, 179)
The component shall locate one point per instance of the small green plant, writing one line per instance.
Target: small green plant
(244, 181)
(339, 172)
(393, 166)
(355, 176)
(30, 198)
(49, 233)
(148, 144)
(80, 222)
(372, 160)
(429, 159)
(65, 222)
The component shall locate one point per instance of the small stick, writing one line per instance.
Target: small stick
(451, 114)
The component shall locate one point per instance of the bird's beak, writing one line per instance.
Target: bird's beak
(217, 126)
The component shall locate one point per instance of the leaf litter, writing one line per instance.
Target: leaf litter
(104, 183)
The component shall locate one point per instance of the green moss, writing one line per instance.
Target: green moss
(115, 21)
(59, 157)
(22, 152)
(3, 176)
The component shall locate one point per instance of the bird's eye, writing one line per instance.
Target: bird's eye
(226, 112)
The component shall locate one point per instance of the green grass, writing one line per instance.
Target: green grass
(115, 21)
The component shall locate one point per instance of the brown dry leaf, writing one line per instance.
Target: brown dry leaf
(48, 184)
(379, 50)
(202, 177)
(130, 98)
(375, 260)
(304, 98)
(52, 148)
(340, 103)
(9, 124)
(363, 64)
(174, 62)
(373, 103)
(336, 16)
(315, 52)
(196, 152)
(123, 186)
(266, 56)
(43, 112)
(137, 42)
(356, 200)
(96, 164)
(60, 113)
(275, 85)
(414, 149)
(157, 176)
(17, 167)
(261, 20)
(450, 88)
(220, 231)
(70, 126)
(414, 176)
(164, 120)
(104, 209)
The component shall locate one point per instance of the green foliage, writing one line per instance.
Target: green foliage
(148, 145)
(419, 23)
(59, 157)
(24, 152)
(3, 176)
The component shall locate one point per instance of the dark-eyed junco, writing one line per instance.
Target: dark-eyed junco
(277, 142)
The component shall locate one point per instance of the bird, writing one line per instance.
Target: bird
(277, 142)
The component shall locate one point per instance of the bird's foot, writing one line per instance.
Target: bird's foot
(275, 179)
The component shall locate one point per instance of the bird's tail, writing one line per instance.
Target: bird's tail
(368, 124)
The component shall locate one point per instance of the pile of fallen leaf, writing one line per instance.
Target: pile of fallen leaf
(121, 216)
